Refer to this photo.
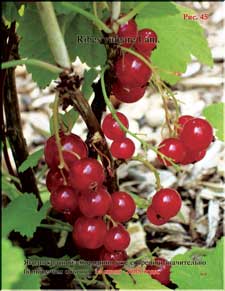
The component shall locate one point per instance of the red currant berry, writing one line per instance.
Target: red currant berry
(111, 128)
(193, 157)
(128, 31)
(172, 148)
(166, 202)
(181, 122)
(116, 259)
(154, 218)
(54, 179)
(95, 203)
(89, 232)
(73, 148)
(117, 239)
(127, 95)
(122, 149)
(146, 41)
(64, 199)
(132, 72)
(197, 134)
(123, 206)
(159, 271)
(71, 217)
(86, 174)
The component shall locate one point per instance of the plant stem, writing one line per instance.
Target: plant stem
(54, 34)
(32, 62)
(58, 221)
(132, 13)
(88, 15)
(56, 227)
(116, 6)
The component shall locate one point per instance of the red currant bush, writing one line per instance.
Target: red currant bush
(155, 218)
(117, 259)
(162, 268)
(122, 149)
(146, 41)
(111, 128)
(117, 239)
(127, 95)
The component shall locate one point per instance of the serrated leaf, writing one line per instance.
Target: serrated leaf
(12, 263)
(9, 189)
(31, 161)
(34, 44)
(143, 281)
(28, 281)
(89, 77)
(215, 114)
(207, 276)
(178, 39)
(22, 215)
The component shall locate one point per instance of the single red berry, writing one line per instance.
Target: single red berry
(89, 232)
(122, 149)
(193, 157)
(71, 217)
(128, 32)
(131, 71)
(64, 199)
(127, 95)
(86, 174)
(116, 259)
(111, 128)
(154, 218)
(117, 239)
(159, 271)
(182, 121)
(123, 206)
(166, 202)
(172, 148)
(95, 203)
(73, 148)
(54, 179)
(146, 41)
(197, 134)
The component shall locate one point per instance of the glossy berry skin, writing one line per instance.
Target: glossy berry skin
(166, 202)
(73, 148)
(193, 157)
(54, 179)
(118, 259)
(197, 134)
(117, 239)
(95, 203)
(64, 199)
(89, 232)
(182, 121)
(123, 207)
(71, 217)
(128, 95)
(122, 149)
(131, 71)
(146, 41)
(111, 128)
(86, 174)
(162, 269)
(128, 30)
(172, 148)
(154, 218)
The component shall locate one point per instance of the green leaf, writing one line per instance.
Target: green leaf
(32, 160)
(140, 202)
(28, 281)
(10, 11)
(178, 38)
(143, 281)
(12, 263)
(70, 118)
(207, 276)
(89, 77)
(22, 215)
(215, 114)
(34, 44)
(9, 189)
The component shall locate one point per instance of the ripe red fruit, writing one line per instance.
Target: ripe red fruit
(146, 41)
(131, 71)
(111, 128)
(64, 199)
(117, 259)
(122, 149)
(159, 271)
(166, 202)
(123, 206)
(95, 203)
(71, 217)
(72, 146)
(127, 95)
(193, 157)
(172, 148)
(128, 30)
(182, 121)
(197, 134)
(154, 218)
(117, 239)
(54, 179)
(86, 174)
(89, 232)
